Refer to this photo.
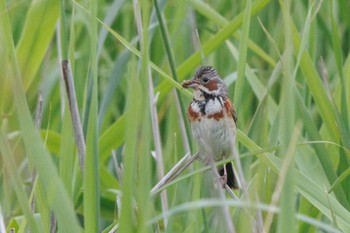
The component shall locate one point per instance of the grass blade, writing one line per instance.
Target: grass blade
(243, 45)
(36, 36)
(92, 167)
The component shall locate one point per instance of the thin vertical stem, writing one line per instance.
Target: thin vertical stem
(169, 53)
(157, 142)
(153, 111)
(73, 106)
(37, 121)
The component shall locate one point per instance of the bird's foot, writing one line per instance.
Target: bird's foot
(223, 180)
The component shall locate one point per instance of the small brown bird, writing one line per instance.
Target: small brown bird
(213, 120)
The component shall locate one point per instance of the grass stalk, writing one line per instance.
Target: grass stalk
(10, 166)
(74, 110)
(282, 176)
(91, 175)
(175, 171)
(36, 151)
(243, 45)
(178, 97)
(153, 110)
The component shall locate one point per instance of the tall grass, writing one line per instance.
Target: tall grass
(287, 67)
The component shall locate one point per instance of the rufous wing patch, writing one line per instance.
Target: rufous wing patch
(230, 109)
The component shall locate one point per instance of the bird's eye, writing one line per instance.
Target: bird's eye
(205, 79)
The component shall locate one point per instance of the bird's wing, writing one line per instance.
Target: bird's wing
(230, 109)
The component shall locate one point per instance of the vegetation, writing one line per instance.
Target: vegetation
(286, 64)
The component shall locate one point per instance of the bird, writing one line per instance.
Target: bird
(213, 119)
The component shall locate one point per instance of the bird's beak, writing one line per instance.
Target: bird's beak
(192, 83)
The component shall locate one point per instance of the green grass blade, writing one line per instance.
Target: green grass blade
(286, 220)
(10, 166)
(55, 192)
(321, 151)
(132, 122)
(112, 138)
(243, 45)
(309, 189)
(91, 170)
(67, 155)
(119, 69)
(219, 38)
(36, 36)
(214, 16)
(316, 87)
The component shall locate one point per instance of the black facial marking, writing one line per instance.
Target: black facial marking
(201, 105)
(208, 96)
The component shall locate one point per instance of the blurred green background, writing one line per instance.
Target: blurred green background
(287, 67)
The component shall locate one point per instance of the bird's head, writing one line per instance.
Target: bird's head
(207, 81)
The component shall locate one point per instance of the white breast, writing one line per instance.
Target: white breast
(214, 106)
(215, 138)
(195, 107)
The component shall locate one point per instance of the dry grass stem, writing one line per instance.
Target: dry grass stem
(73, 106)
(174, 172)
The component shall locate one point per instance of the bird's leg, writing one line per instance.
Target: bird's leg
(223, 178)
